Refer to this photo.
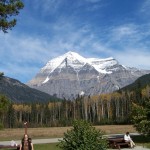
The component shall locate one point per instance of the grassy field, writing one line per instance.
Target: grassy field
(54, 132)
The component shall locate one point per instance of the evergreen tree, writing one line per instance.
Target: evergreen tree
(9, 8)
(83, 137)
(4, 104)
(141, 117)
(11, 119)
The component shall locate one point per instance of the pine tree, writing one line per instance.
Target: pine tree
(141, 117)
(9, 8)
(83, 137)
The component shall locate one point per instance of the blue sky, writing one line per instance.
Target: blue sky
(92, 28)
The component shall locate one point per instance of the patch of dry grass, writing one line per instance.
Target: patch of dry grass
(116, 129)
(54, 132)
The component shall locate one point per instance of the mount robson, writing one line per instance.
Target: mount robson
(71, 75)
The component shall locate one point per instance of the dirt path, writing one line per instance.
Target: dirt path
(55, 140)
(35, 141)
(136, 148)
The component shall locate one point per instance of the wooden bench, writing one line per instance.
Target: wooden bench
(118, 142)
(9, 147)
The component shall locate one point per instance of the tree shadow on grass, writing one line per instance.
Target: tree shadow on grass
(142, 140)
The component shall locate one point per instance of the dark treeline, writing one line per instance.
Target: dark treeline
(112, 108)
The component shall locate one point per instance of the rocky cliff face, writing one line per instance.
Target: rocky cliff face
(70, 75)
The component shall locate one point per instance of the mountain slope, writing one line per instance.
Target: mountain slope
(71, 74)
(141, 83)
(19, 92)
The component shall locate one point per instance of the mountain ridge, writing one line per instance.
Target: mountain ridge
(19, 92)
(141, 82)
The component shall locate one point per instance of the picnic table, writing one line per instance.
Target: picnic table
(118, 142)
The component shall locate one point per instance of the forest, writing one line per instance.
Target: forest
(114, 108)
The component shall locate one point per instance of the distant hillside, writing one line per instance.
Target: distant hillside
(140, 83)
(19, 92)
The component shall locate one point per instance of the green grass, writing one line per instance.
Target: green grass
(148, 145)
(142, 140)
(139, 140)
(51, 146)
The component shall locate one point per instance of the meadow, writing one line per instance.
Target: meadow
(57, 132)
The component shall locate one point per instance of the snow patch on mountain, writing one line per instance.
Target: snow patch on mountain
(102, 64)
(70, 58)
(46, 80)
(76, 61)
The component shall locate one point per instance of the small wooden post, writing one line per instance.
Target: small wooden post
(25, 127)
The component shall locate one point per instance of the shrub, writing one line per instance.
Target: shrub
(83, 137)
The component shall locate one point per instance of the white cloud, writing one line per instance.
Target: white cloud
(22, 48)
(47, 6)
(138, 58)
(129, 35)
(145, 7)
(22, 55)
(126, 31)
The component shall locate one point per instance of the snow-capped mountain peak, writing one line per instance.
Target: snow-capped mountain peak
(69, 58)
(74, 56)
(77, 61)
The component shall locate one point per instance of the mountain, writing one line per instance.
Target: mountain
(140, 83)
(70, 75)
(19, 92)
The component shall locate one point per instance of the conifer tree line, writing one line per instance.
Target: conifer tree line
(114, 108)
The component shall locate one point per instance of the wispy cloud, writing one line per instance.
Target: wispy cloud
(133, 35)
(22, 55)
(47, 6)
(145, 8)
(124, 31)
(129, 45)
(138, 58)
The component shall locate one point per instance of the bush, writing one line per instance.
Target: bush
(83, 137)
